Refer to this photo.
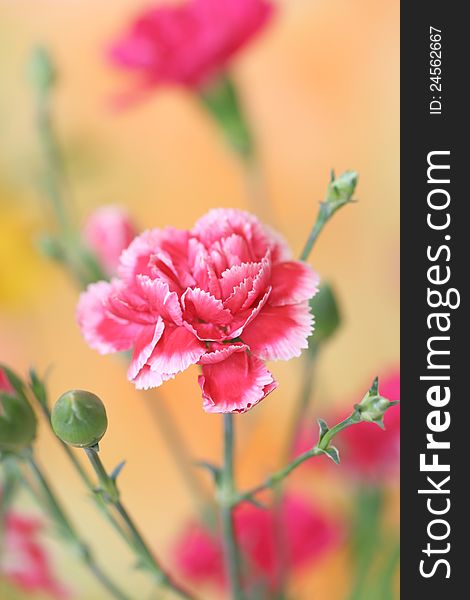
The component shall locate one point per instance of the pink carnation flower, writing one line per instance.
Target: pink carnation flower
(366, 451)
(107, 232)
(188, 43)
(23, 561)
(225, 295)
(306, 536)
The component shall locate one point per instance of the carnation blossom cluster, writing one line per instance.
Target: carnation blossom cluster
(188, 43)
(307, 535)
(225, 295)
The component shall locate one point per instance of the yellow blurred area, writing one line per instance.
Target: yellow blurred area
(321, 89)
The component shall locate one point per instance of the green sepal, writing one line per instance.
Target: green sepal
(323, 429)
(214, 470)
(332, 452)
(117, 470)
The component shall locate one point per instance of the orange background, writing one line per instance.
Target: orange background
(321, 89)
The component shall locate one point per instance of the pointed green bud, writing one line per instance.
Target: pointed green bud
(79, 418)
(41, 70)
(17, 418)
(373, 406)
(341, 190)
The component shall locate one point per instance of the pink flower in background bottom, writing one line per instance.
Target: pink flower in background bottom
(366, 451)
(107, 232)
(23, 561)
(302, 532)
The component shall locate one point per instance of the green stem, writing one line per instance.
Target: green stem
(44, 406)
(273, 480)
(232, 557)
(365, 538)
(66, 528)
(178, 450)
(54, 170)
(302, 405)
(339, 193)
(111, 495)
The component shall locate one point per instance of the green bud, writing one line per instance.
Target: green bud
(342, 188)
(79, 418)
(17, 422)
(326, 311)
(41, 70)
(373, 406)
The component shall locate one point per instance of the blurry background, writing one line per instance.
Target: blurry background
(320, 86)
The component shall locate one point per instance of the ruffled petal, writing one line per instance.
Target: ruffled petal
(220, 352)
(221, 223)
(205, 314)
(292, 282)
(279, 332)
(177, 349)
(148, 379)
(102, 330)
(235, 384)
(157, 248)
(143, 348)
(160, 300)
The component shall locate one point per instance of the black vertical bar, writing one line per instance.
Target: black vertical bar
(425, 128)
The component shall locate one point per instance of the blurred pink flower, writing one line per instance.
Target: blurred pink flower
(225, 295)
(366, 451)
(107, 232)
(188, 43)
(23, 561)
(303, 532)
(5, 385)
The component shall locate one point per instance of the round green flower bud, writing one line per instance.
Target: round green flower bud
(79, 418)
(17, 422)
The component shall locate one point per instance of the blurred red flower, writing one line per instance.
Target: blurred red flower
(107, 232)
(301, 532)
(23, 561)
(188, 43)
(367, 452)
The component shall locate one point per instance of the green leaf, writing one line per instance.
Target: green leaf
(222, 102)
(323, 429)
(325, 309)
(38, 388)
(333, 453)
(214, 470)
(117, 470)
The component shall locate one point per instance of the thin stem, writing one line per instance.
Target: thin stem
(178, 450)
(302, 405)
(65, 527)
(256, 189)
(315, 232)
(111, 495)
(274, 479)
(339, 193)
(44, 406)
(365, 538)
(232, 557)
